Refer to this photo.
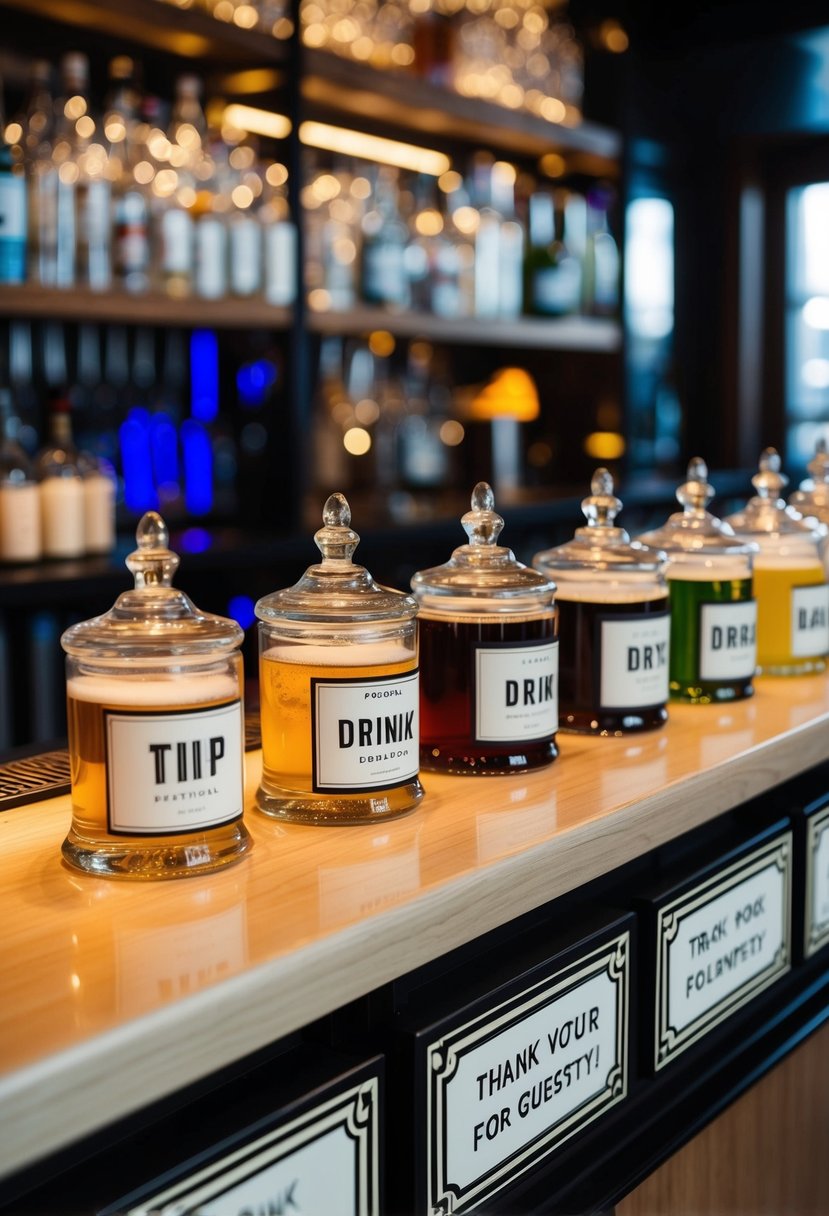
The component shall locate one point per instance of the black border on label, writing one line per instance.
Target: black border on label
(597, 667)
(813, 654)
(355, 1110)
(108, 711)
(316, 788)
(723, 604)
(508, 744)
(612, 956)
(668, 1043)
(815, 934)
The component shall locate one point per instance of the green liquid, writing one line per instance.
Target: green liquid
(686, 598)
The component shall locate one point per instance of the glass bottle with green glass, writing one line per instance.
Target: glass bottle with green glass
(713, 652)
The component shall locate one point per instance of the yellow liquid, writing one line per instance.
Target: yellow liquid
(287, 742)
(773, 592)
(90, 845)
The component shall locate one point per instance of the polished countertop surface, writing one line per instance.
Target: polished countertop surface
(113, 994)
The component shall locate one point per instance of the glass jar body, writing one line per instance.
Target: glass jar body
(713, 629)
(156, 752)
(488, 689)
(792, 609)
(339, 716)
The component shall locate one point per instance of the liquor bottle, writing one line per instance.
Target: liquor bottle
(332, 410)
(713, 652)
(383, 277)
(487, 628)
(61, 487)
(789, 578)
(20, 539)
(339, 690)
(74, 127)
(13, 217)
(552, 275)
(174, 220)
(98, 504)
(280, 240)
(487, 240)
(614, 623)
(37, 136)
(510, 242)
(245, 235)
(130, 205)
(154, 708)
(602, 265)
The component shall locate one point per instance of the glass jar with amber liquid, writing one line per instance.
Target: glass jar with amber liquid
(155, 721)
(338, 682)
(713, 653)
(789, 577)
(613, 623)
(488, 633)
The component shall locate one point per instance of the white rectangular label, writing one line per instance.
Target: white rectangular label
(720, 944)
(516, 692)
(366, 733)
(810, 620)
(728, 640)
(169, 773)
(634, 671)
(817, 883)
(325, 1161)
(504, 1090)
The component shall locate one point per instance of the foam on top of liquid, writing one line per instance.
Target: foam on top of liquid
(716, 572)
(364, 654)
(133, 693)
(604, 593)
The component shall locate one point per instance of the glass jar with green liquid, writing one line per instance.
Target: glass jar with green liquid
(713, 611)
(789, 577)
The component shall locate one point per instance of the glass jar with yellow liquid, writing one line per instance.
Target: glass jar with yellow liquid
(789, 578)
(713, 654)
(155, 721)
(339, 690)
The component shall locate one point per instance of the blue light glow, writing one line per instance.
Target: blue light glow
(164, 443)
(195, 540)
(253, 381)
(204, 375)
(198, 467)
(240, 609)
(136, 463)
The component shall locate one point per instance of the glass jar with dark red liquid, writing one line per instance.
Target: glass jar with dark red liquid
(488, 654)
(614, 623)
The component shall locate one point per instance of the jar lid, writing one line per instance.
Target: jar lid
(766, 514)
(694, 531)
(482, 569)
(812, 499)
(601, 546)
(335, 590)
(153, 619)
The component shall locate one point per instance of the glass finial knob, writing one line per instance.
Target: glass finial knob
(601, 482)
(695, 493)
(152, 563)
(336, 513)
(602, 506)
(483, 498)
(769, 482)
(151, 532)
(482, 523)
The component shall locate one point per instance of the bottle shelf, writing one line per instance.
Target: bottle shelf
(534, 333)
(332, 84)
(79, 304)
(188, 33)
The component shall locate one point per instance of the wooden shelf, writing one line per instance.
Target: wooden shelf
(332, 83)
(81, 304)
(186, 33)
(536, 333)
(114, 994)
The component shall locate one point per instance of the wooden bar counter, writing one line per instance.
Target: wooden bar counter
(114, 994)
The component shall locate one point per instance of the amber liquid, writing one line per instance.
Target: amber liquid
(773, 590)
(579, 674)
(287, 790)
(90, 845)
(447, 729)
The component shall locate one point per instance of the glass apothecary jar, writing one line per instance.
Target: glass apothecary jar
(614, 623)
(156, 739)
(338, 690)
(789, 577)
(811, 500)
(713, 653)
(488, 630)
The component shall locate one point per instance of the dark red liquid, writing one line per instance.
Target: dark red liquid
(578, 671)
(447, 731)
